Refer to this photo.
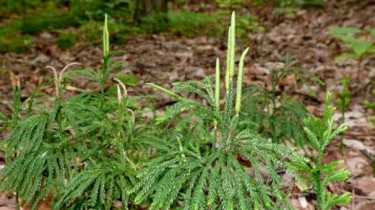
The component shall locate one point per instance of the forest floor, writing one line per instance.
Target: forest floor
(164, 59)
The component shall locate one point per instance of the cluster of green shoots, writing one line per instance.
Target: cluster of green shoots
(96, 150)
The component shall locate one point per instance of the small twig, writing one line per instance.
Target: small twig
(353, 196)
(363, 197)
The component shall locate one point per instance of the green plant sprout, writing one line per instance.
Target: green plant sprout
(344, 97)
(106, 55)
(343, 103)
(353, 39)
(320, 132)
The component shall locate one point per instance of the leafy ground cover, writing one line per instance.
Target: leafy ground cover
(194, 58)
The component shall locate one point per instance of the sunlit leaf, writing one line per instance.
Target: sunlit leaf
(361, 47)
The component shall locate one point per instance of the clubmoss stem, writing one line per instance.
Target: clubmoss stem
(217, 84)
(239, 82)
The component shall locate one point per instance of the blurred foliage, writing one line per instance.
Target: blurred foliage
(288, 3)
(26, 18)
(95, 9)
(128, 79)
(9, 7)
(290, 6)
(246, 23)
(358, 42)
(89, 31)
(34, 24)
(280, 5)
(31, 17)
(191, 24)
(10, 40)
(232, 4)
(66, 40)
(15, 44)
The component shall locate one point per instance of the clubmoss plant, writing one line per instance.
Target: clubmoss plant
(119, 152)
(343, 103)
(78, 150)
(112, 173)
(31, 149)
(266, 109)
(320, 132)
(344, 97)
(118, 139)
(199, 165)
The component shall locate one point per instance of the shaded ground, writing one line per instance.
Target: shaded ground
(163, 59)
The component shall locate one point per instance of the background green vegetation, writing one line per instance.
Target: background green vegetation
(21, 20)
